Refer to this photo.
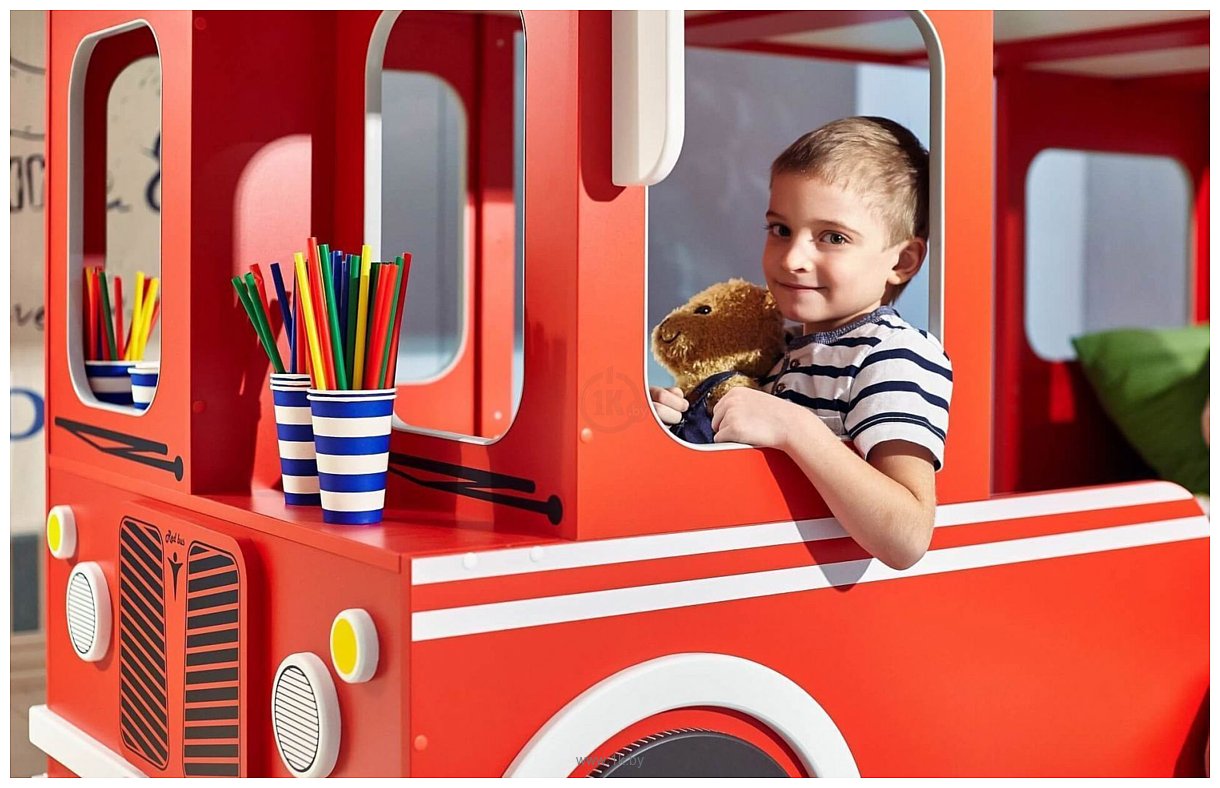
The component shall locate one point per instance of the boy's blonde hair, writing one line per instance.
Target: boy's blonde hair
(878, 159)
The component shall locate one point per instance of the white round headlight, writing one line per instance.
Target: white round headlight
(89, 613)
(305, 716)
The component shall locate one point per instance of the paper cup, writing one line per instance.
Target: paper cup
(110, 381)
(351, 431)
(294, 430)
(144, 376)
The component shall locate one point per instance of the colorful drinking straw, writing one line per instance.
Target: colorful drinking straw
(315, 349)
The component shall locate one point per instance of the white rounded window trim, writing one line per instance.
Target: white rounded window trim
(681, 681)
(88, 612)
(305, 716)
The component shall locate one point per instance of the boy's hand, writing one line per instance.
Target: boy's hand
(670, 403)
(746, 415)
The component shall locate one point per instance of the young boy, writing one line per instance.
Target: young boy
(847, 228)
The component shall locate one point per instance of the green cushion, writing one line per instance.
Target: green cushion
(1153, 384)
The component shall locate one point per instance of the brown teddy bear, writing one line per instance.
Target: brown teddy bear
(730, 334)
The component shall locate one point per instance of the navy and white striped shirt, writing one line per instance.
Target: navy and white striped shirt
(876, 379)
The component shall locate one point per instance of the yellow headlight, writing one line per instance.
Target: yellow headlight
(61, 532)
(353, 645)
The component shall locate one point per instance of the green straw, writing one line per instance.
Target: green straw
(254, 310)
(353, 298)
(107, 318)
(332, 303)
(389, 335)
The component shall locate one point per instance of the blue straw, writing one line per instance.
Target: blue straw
(284, 309)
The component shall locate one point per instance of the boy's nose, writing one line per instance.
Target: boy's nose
(797, 258)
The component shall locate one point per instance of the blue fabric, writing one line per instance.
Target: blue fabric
(696, 424)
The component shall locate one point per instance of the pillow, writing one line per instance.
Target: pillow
(1153, 383)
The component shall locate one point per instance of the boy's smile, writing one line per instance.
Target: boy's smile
(828, 258)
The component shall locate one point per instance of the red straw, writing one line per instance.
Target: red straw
(320, 313)
(372, 367)
(118, 314)
(262, 291)
(402, 301)
(96, 297)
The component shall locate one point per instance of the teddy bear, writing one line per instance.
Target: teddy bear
(730, 334)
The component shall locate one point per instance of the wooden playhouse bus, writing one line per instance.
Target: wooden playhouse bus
(579, 593)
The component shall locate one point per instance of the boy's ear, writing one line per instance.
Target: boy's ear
(910, 260)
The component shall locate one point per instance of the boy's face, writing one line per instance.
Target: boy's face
(828, 258)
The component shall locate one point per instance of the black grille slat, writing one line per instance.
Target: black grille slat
(143, 704)
(211, 638)
(211, 713)
(213, 599)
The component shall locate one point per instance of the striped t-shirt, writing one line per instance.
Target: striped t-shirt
(876, 379)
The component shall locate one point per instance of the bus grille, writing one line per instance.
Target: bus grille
(211, 744)
(142, 689)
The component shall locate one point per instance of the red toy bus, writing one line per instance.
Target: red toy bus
(580, 593)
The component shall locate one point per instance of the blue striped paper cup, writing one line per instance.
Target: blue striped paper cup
(294, 430)
(144, 377)
(110, 381)
(351, 430)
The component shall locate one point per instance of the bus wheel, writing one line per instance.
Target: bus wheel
(689, 752)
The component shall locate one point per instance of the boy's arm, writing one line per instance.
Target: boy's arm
(887, 504)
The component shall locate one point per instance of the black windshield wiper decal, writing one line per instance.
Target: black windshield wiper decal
(124, 446)
(477, 483)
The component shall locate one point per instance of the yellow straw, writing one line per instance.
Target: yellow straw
(362, 305)
(146, 316)
(315, 353)
(133, 341)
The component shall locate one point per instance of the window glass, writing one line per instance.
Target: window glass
(1099, 227)
(424, 211)
(750, 94)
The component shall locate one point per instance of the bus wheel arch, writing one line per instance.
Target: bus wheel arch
(678, 681)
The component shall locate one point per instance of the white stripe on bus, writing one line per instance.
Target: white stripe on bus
(574, 555)
(516, 614)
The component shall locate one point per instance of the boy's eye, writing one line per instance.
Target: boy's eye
(833, 238)
(703, 309)
(778, 230)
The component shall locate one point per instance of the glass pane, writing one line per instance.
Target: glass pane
(423, 211)
(133, 183)
(1099, 227)
(746, 101)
